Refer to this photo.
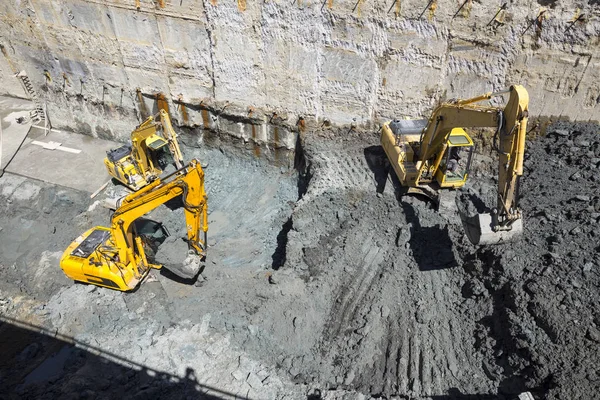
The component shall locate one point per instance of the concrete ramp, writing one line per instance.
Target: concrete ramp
(67, 159)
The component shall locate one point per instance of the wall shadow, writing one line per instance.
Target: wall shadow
(36, 363)
(280, 254)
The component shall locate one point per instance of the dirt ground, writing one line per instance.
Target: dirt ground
(320, 282)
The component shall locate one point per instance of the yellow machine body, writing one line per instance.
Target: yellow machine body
(84, 263)
(115, 257)
(424, 152)
(138, 164)
(402, 150)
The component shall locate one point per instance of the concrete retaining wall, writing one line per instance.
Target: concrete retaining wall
(256, 69)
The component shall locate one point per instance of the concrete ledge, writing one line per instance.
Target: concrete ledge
(83, 170)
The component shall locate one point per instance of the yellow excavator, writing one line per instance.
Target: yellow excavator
(426, 156)
(115, 257)
(137, 164)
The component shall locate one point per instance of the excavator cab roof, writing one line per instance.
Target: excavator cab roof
(408, 126)
(155, 142)
(118, 154)
(459, 138)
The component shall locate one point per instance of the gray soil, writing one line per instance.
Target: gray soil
(324, 281)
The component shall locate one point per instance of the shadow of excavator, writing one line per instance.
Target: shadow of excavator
(431, 246)
(36, 363)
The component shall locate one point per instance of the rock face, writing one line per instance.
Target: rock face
(252, 69)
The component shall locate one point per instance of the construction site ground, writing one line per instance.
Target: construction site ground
(320, 282)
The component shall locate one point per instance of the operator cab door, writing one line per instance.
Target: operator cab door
(456, 162)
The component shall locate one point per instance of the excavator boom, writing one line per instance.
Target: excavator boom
(506, 220)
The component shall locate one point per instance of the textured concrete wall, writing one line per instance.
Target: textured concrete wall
(252, 69)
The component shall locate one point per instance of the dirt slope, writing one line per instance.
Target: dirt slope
(542, 292)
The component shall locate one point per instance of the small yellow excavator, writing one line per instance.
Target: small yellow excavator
(115, 257)
(137, 164)
(426, 156)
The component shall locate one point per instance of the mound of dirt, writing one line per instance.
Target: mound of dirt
(542, 329)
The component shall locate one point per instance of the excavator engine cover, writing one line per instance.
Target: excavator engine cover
(479, 230)
(118, 154)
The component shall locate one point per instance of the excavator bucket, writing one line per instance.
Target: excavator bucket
(188, 269)
(479, 230)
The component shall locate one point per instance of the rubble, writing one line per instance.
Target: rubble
(346, 291)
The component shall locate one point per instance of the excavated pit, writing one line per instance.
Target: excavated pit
(321, 280)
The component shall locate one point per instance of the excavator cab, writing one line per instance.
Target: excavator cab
(402, 142)
(158, 149)
(153, 149)
(456, 162)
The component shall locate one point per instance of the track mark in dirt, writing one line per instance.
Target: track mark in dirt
(403, 361)
(340, 172)
(353, 293)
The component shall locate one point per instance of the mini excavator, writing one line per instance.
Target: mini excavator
(426, 156)
(115, 257)
(137, 164)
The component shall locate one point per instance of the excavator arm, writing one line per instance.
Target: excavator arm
(171, 136)
(511, 149)
(188, 183)
(114, 257)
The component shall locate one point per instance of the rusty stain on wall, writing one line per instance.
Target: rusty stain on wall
(276, 143)
(466, 12)
(301, 124)
(184, 113)
(432, 9)
(205, 116)
(142, 104)
(276, 136)
(241, 5)
(161, 102)
(256, 146)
